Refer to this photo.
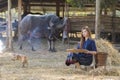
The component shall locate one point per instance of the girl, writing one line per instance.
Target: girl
(87, 43)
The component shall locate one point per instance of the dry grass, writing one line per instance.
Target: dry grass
(113, 54)
(44, 65)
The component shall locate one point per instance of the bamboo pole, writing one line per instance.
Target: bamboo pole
(9, 46)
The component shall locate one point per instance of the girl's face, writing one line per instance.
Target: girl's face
(85, 33)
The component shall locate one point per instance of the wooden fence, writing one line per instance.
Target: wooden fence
(108, 24)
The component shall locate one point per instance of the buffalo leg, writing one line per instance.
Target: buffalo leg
(20, 47)
(49, 45)
(29, 41)
(53, 46)
(21, 43)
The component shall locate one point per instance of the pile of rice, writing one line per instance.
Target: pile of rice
(107, 47)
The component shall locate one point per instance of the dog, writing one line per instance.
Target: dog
(22, 58)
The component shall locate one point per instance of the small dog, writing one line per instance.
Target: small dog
(22, 58)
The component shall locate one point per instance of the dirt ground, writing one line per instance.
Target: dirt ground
(45, 65)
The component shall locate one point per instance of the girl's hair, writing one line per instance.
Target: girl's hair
(83, 38)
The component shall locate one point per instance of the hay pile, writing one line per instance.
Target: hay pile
(113, 54)
(108, 71)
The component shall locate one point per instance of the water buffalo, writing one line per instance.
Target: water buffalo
(38, 25)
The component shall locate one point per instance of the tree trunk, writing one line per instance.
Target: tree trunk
(9, 42)
(97, 19)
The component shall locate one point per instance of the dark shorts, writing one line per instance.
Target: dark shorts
(82, 59)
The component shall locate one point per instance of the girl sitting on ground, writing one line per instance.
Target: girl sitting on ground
(87, 43)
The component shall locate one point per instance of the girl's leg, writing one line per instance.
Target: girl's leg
(77, 65)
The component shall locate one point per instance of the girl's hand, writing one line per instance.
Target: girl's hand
(87, 52)
(91, 52)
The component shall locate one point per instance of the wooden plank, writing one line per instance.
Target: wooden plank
(46, 5)
(50, 1)
(77, 50)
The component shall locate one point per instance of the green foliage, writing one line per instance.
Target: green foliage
(108, 3)
(79, 3)
(104, 3)
(73, 3)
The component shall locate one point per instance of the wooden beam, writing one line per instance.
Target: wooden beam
(46, 5)
(49, 1)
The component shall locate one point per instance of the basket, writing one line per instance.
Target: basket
(101, 59)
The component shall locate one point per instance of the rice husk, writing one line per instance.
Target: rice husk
(107, 47)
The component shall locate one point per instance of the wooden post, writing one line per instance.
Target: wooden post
(9, 46)
(6, 16)
(25, 11)
(19, 14)
(28, 6)
(67, 26)
(3, 15)
(113, 25)
(19, 9)
(66, 9)
(63, 9)
(97, 19)
(58, 8)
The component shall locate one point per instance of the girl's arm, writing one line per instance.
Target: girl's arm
(94, 49)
